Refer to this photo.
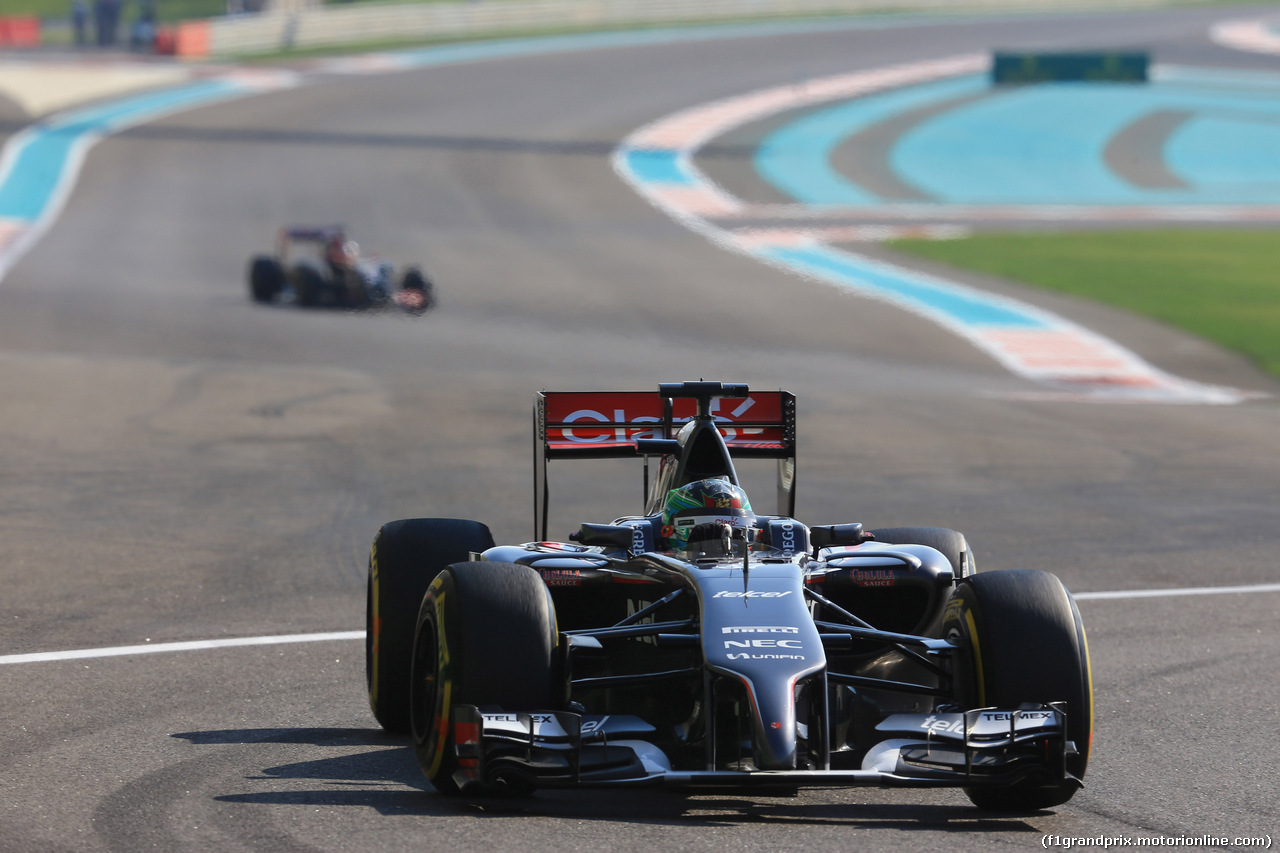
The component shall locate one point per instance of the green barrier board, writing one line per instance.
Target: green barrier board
(1109, 67)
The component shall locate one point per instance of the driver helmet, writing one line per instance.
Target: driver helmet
(703, 502)
(342, 252)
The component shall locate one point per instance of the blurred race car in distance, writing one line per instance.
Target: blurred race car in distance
(320, 267)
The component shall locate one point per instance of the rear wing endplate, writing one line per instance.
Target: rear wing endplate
(607, 424)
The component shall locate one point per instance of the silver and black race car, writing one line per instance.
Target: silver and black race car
(322, 268)
(705, 646)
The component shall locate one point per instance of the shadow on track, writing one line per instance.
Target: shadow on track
(388, 780)
(294, 138)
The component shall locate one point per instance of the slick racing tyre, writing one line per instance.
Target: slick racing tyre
(1025, 643)
(309, 286)
(405, 557)
(418, 294)
(952, 544)
(486, 637)
(266, 279)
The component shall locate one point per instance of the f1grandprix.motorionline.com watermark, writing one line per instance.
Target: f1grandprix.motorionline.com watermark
(1106, 842)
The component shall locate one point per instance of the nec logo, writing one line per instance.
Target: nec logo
(763, 644)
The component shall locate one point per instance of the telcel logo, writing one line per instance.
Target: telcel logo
(590, 726)
(751, 594)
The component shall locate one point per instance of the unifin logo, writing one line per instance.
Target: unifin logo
(761, 629)
(746, 656)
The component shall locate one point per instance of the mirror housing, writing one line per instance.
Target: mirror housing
(827, 535)
(617, 535)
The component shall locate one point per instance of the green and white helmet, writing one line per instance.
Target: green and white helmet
(703, 502)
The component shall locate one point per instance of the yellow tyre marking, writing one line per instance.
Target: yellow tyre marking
(977, 658)
(444, 686)
(1088, 676)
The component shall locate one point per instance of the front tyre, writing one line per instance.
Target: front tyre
(1025, 643)
(309, 286)
(405, 557)
(266, 279)
(417, 293)
(486, 637)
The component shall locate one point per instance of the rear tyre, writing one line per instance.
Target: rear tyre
(486, 637)
(1026, 643)
(405, 557)
(951, 543)
(266, 279)
(420, 292)
(309, 286)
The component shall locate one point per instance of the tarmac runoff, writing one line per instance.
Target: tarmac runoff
(51, 89)
(1045, 153)
(1186, 139)
(40, 163)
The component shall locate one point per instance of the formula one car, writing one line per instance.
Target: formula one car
(704, 646)
(321, 268)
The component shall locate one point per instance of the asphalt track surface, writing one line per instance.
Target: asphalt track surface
(183, 465)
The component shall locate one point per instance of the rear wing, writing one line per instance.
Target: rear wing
(319, 235)
(607, 424)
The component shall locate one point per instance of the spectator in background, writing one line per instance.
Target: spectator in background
(112, 21)
(142, 36)
(106, 15)
(100, 22)
(79, 20)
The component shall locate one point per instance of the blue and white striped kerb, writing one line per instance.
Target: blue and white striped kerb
(658, 160)
(40, 164)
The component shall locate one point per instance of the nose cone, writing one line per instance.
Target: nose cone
(774, 735)
(757, 630)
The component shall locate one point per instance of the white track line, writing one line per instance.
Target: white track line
(196, 645)
(188, 646)
(1165, 593)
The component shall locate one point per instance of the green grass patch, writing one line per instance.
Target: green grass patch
(1223, 285)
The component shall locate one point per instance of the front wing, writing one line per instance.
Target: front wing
(987, 746)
